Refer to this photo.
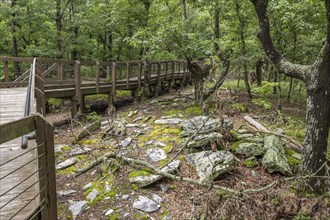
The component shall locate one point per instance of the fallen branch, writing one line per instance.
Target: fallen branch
(262, 129)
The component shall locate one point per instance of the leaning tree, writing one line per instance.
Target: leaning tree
(317, 80)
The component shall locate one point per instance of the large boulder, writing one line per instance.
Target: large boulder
(202, 124)
(209, 165)
(206, 129)
(274, 159)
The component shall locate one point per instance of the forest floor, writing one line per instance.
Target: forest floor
(181, 200)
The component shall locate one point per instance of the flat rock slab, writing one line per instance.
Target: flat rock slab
(155, 143)
(127, 141)
(92, 195)
(66, 192)
(87, 186)
(209, 165)
(145, 204)
(142, 181)
(77, 207)
(66, 163)
(155, 155)
(168, 121)
(76, 152)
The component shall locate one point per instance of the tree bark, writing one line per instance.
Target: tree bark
(14, 38)
(58, 21)
(243, 46)
(317, 79)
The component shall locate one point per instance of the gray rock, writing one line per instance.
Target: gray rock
(137, 119)
(76, 152)
(209, 165)
(155, 143)
(255, 175)
(168, 121)
(167, 217)
(250, 149)
(77, 207)
(133, 125)
(297, 156)
(202, 124)
(132, 113)
(66, 192)
(274, 159)
(155, 155)
(228, 124)
(92, 195)
(66, 163)
(87, 186)
(202, 140)
(58, 148)
(164, 187)
(145, 204)
(107, 188)
(109, 212)
(125, 197)
(142, 181)
(157, 198)
(127, 141)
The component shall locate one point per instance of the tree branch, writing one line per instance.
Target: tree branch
(290, 69)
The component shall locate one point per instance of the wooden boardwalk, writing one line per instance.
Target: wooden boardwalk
(27, 177)
(12, 104)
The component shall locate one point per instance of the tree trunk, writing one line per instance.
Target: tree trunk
(14, 38)
(259, 72)
(184, 9)
(318, 121)
(241, 30)
(58, 21)
(317, 81)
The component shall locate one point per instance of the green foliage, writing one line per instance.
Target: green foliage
(250, 162)
(137, 173)
(239, 107)
(263, 103)
(93, 116)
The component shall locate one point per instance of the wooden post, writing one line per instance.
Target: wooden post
(50, 156)
(39, 89)
(76, 102)
(139, 76)
(42, 164)
(183, 79)
(166, 70)
(108, 73)
(6, 71)
(158, 79)
(60, 74)
(97, 77)
(127, 75)
(113, 72)
(172, 76)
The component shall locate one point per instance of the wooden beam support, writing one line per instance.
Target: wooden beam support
(97, 77)
(113, 76)
(6, 70)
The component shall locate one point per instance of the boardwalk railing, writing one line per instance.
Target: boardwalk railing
(34, 193)
(73, 79)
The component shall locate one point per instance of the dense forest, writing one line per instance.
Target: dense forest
(277, 54)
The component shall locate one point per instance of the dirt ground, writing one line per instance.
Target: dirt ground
(181, 200)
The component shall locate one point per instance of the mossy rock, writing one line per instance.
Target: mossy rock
(234, 135)
(251, 162)
(137, 173)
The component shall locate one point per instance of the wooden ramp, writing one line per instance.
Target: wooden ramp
(17, 176)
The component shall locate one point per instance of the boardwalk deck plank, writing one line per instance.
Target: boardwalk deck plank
(12, 103)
